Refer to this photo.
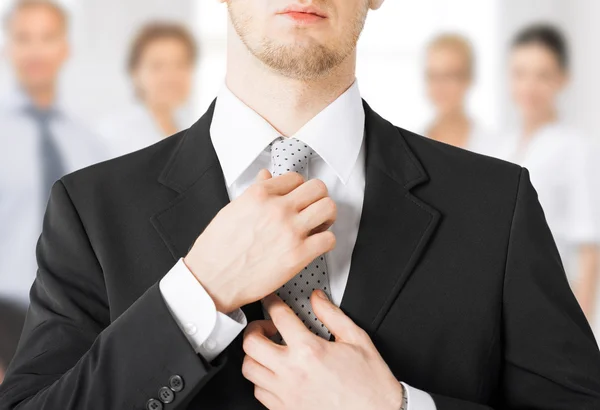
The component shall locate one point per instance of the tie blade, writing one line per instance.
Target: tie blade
(293, 155)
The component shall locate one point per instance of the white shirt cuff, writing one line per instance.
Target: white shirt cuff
(208, 331)
(418, 399)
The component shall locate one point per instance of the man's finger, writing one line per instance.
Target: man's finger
(322, 212)
(284, 184)
(342, 327)
(316, 245)
(263, 175)
(264, 327)
(308, 193)
(256, 373)
(258, 345)
(321, 228)
(287, 323)
(267, 398)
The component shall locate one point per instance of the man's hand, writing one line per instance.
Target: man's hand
(313, 373)
(262, 239)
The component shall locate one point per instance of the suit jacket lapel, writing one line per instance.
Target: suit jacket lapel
(395, 225)
(195, 173)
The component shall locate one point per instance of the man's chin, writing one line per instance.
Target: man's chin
(296, 39)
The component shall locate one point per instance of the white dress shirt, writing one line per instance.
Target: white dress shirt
(560, 162)
(135, 128)
(240, 137)
(22, 200)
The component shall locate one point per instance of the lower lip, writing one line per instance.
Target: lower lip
(303, 17)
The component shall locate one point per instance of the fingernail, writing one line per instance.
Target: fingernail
(321, 294)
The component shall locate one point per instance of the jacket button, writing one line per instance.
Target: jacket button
(166, 395)
(154, 404)
(176, 383)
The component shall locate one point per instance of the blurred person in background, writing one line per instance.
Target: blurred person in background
(558, 156)
(161, 64)
(450, 67)
(12, 317)
(40, 140)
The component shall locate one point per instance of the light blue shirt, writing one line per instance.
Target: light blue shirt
(22, 200)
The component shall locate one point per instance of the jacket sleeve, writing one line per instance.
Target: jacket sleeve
(71, 356)
(551, 360)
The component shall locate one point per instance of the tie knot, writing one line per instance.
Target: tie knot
(289, 155)
(38, 114)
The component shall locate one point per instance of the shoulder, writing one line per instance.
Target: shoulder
(437, 155)
(7, 118)
(9, 112)
(467, 174)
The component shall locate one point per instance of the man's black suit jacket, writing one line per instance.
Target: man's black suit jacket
(455, 275)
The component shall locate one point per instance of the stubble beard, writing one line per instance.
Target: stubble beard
(308, 61)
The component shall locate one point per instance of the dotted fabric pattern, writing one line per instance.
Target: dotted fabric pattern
(292, 155)
(289, 155)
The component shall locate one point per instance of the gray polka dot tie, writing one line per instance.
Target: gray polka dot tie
(292, 155)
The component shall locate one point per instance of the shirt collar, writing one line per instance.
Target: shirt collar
(239, 134)
(18, 100)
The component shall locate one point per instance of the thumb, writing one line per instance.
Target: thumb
(342, 327)
(263, 175)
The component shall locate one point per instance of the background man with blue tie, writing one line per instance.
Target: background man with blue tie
(40, 141)
(371, 268)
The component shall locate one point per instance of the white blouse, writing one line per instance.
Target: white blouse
(560, 161)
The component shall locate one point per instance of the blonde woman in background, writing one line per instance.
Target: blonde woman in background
(558, 156)
(449, 70)
(161, 64)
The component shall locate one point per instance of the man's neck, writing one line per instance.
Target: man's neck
(42, 97)
(286, 103)
(453, 119)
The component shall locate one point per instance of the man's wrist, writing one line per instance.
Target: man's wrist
(396, 396)
(223, 306)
